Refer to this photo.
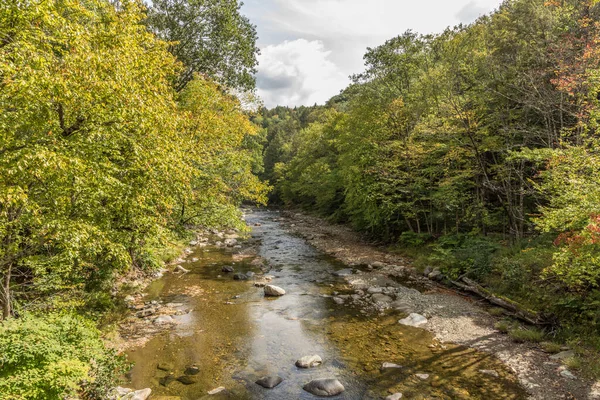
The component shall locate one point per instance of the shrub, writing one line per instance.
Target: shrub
(54, 357)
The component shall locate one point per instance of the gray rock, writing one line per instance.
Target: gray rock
(163, 319)
(563, 355)
(436, 275)
(375, 290)
(338, 300)
(395, 396)
(269, 382)
(490, 372)
(565, 373)
(240, 277)
(388, 365)
(343, 272)
(378, 264)
(427, 271)
(422, 377)
(381, 298)
(230, 242)
(324, 387)
(413, 320)
(138, 395)
(216, 390)
(309, 361)
(180, 270)
(272, 290)
(250, 274)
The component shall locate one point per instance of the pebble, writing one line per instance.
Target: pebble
(388, 365)
(422, 376)
(490, 372)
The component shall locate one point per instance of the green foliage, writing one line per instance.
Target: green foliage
(100, 159)
(210, 37)
(53, 356)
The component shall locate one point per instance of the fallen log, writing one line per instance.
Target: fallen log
(514, 309)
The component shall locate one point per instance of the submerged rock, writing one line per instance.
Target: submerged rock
(324, 387)
(227, 269)
(216, 390)
(269, 382)
(388, 365)
(272, 290)
(192, 370)
(164, 381)
(422, 377)
(240, 277)
(309, 361)
(186, 380)
(138, 395)
(413, 319)
(343, 272)
(395, 396)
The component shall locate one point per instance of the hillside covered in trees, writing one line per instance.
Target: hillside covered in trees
(474, 150)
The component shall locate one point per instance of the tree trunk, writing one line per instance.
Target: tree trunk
(6, 309)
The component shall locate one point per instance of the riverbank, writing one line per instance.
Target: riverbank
(452, 317)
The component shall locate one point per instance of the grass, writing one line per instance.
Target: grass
(496, 311)
(522, 335)
(503, 326)
(572, 363)
(551, 347)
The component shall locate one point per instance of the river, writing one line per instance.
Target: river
(235, 334)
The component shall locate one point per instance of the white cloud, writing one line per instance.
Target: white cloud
(298, 72)
(347, 27)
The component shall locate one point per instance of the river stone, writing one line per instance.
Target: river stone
(324, 387)
(388, 365)
(565, 373)
(413, 320)
(309, 361)
(163, 319)
(490, 372)
(381, 298)
(422, 377)
(395, 396)
(186, 380)
(193, 370)
(343, 272)
(375, 290)
(180, 269)
(216, 390)
(138, 395)
(230, 242)
(338, 300)
(164, 381)
(240, 277)
(272, 290)
(227, 269)
(377, 264)
(164, 366)
(269, 382)
(563, 355)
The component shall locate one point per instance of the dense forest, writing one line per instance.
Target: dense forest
(474, 151)
(124, 126)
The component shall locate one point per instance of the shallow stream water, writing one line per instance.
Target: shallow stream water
(236, 335)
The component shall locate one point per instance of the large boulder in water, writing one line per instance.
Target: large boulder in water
(309, 361)
(324, 387)
(275, 291)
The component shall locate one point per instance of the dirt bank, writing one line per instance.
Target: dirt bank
(452, 317)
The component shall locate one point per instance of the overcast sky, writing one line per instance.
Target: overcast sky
(310, 47)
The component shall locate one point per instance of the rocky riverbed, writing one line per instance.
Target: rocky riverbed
(302, 308)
